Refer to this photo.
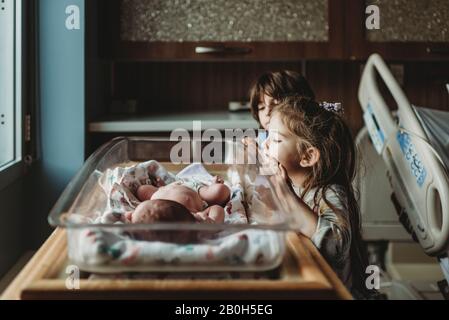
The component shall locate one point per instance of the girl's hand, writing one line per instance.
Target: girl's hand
(247, 141)
(268, 165)
(250, 149)
(305, 219)
(283, 173)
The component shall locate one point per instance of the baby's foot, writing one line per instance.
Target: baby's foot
(202, 217)
(213, 214)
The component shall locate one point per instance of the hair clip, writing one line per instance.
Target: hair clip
(334, 107)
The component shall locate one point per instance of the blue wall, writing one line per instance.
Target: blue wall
(62, 91)
(62, 108)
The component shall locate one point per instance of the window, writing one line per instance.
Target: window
(10, 87)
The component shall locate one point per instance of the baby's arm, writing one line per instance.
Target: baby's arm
(212, 214)
(145, 192)
(215, 194)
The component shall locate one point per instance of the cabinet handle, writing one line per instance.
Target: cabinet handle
(442, 51)
(222, 49)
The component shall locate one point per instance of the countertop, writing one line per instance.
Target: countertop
(166, 123)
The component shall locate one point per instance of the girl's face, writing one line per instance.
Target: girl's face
(265, 108)
(281, 145)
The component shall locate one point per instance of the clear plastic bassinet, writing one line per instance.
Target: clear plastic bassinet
(98, 243)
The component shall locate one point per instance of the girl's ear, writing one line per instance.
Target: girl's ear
(310, 158)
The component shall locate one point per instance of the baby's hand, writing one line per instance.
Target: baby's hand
(218, 179)
(159, 182)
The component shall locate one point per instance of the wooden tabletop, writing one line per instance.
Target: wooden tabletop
(304, 274)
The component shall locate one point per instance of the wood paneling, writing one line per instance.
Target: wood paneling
(168, 87)
(338, 82)
(171, 87)
(425, 84)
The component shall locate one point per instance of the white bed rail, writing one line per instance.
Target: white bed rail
(416, 174)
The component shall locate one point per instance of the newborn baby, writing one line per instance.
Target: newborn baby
(204, 202)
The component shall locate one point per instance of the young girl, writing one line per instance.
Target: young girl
(316, 155)
(271, 87)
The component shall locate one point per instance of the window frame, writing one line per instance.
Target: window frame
(12, 170)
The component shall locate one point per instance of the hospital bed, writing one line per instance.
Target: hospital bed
(413, 143)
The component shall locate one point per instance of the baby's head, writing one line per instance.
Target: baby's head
(306, 136)
(271, 88)
(153, 211)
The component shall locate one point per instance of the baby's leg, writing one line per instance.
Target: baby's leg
(216, 193)
(145, 192)
(212, 214)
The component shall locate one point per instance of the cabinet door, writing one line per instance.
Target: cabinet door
(221, 29)
(408, 29)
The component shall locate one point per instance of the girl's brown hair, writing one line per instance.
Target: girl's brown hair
(278, 85)
(325, 130)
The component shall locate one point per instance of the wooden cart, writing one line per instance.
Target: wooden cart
(304, 274)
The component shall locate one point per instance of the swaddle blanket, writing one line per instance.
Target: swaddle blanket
(96, 246)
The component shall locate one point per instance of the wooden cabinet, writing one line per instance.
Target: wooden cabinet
(221, 30)
(409, 30)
